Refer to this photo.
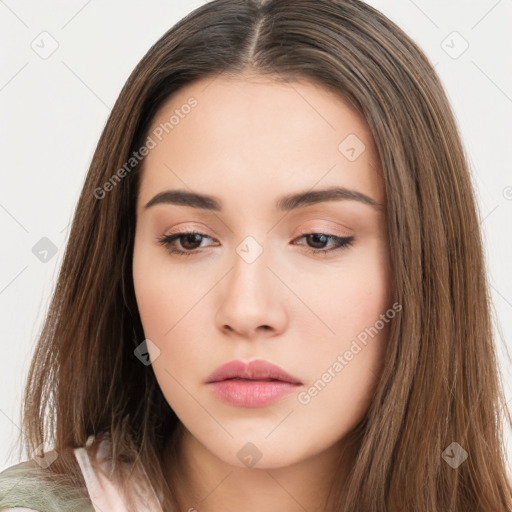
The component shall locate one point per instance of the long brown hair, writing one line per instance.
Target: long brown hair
(440, 382)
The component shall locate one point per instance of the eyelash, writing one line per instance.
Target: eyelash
(167, 240)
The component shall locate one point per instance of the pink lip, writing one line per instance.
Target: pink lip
(263, 383)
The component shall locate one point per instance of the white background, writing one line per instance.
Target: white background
(53, 111)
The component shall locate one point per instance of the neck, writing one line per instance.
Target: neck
(204, 483)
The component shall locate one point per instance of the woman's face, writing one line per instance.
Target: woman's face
(253, 283)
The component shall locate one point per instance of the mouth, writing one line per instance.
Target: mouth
(256, 370)
(253, 380)
(254, 384)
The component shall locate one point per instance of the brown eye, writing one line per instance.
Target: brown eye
(317, 241)
(189, 241)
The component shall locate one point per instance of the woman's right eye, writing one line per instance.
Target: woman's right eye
(186, 238)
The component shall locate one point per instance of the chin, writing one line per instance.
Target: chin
(258, 454)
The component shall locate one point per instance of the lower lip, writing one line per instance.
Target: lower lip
(257, 393)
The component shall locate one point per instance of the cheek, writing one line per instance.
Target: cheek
(346, 362)
(156, 302)
(163, 293)
(354, 295)
(170, 307)
(152, 295)
(363, 297)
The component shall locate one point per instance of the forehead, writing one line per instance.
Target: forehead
(242, 136)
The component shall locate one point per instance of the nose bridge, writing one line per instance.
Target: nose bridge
(249, 298)
(250, 265)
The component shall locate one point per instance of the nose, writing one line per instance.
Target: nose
(252, 300)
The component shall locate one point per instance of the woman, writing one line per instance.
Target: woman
(273, 295)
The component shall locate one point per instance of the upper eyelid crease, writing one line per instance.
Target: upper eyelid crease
(285, 203)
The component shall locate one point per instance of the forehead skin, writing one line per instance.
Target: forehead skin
(249, 138)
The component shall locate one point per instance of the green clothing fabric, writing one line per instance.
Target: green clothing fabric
(30, 485)
(26, 485)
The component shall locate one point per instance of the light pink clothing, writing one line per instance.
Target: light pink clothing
(104, 492)
(18, 509)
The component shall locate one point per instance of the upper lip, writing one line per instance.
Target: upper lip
(254, 370)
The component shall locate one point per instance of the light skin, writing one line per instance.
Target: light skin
(248, 142)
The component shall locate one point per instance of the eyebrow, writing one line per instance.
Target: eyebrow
(284, 203)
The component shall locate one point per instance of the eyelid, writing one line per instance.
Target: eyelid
(301, 231)
(189, 229)
(324, 230)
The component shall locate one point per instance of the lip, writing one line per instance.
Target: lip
(263, 383)
(258, 369)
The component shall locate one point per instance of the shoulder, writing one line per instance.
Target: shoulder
(29, 486)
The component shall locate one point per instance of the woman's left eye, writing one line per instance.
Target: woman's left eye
(322, 238)
(193, 238)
